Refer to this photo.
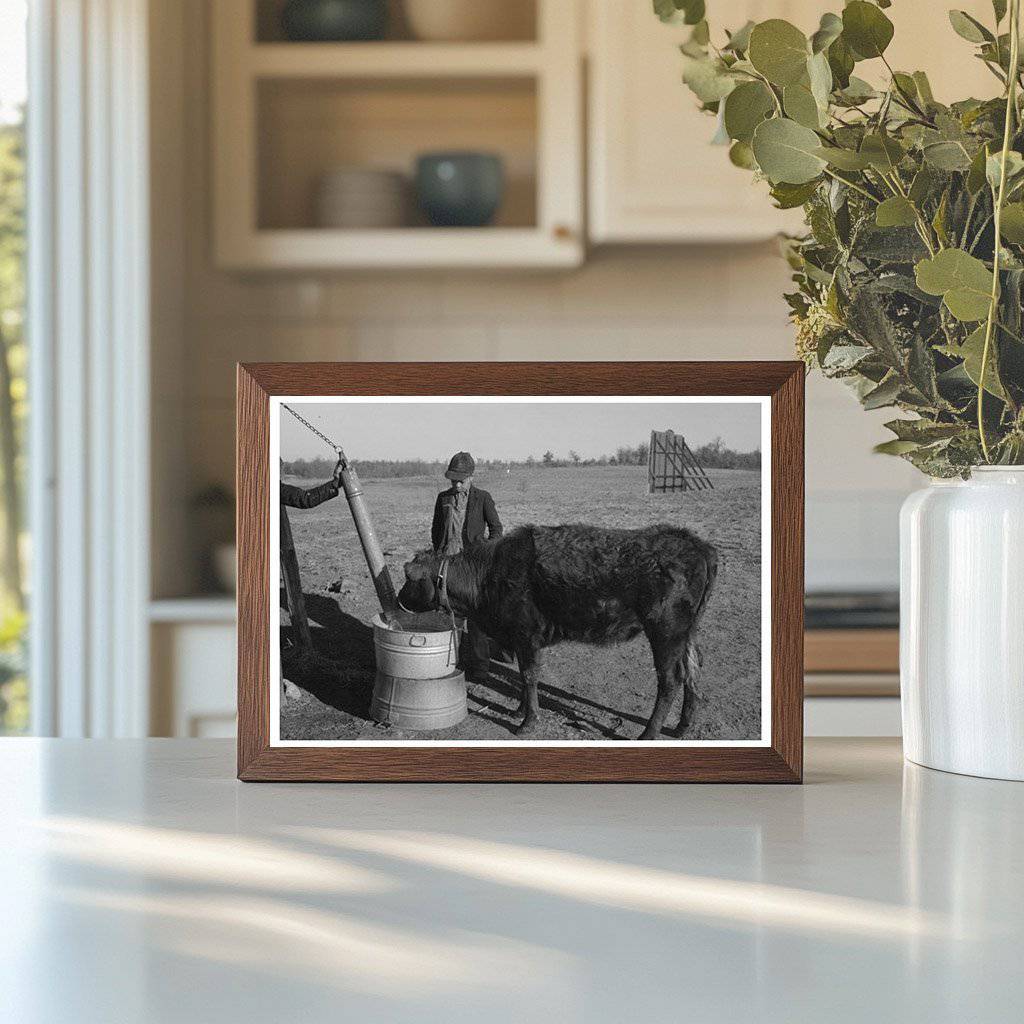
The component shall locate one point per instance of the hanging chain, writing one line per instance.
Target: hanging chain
(323, 437)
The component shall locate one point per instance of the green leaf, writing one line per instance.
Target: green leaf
(891, 245)
(921, 370)
(963, 281)
(947, 156)
(866, 29)
(788, 196)
(707, 78)
(666, 10)
(971, 351)
(939, 220)
(895, 212)
(857, 91)
(868, 319)
(829, 30)
(895, 447)
(689, 12)
(841, 63)
(976, 174)
(923, 431)
(801, 106)
(721, 136)
(999, 9)
(779, 51)
(843, 358)
(993, 167)
(969, 28)
(701, 35)
(922, 185)
(883, 152)
(739, 41)
(745, 108)
(693, 10)
(819, 74)
(905, 84)
(741, 155)
(844, 159)
(1012, 223)
(787, 151)
(885, 394)
(924, 88)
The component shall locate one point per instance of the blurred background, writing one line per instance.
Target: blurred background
(205, 183)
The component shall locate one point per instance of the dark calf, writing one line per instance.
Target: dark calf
(540, 585)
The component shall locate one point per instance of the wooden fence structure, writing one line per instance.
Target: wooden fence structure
(671, 466)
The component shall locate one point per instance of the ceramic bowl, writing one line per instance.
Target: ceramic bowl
(460, 189)
(470, 20)
(359, 197)
(332, 21)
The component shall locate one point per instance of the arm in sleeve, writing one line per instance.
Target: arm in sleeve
(437, 526)
(298, 497)
(494, 527)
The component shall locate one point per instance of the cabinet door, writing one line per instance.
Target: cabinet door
(654, 176)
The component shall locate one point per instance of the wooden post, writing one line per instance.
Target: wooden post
(650, 462)
(293, 586)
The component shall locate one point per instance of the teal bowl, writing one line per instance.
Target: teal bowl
(334, 21)
(462, 190)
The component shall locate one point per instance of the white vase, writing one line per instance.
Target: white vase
(962, 624)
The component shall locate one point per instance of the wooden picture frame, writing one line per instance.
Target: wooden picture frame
(780, 759)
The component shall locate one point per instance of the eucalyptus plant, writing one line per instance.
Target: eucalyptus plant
(902, 289)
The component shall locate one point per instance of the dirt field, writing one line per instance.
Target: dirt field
(590, 693)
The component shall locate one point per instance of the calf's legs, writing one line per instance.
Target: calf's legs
(529, 670)
(673, 662)
(691, 666)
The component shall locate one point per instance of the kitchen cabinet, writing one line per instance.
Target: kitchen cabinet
(653, 175)
(287, 114)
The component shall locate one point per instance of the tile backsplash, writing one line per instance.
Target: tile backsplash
(709, 303)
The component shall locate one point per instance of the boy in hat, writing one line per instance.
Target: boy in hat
(465, 515)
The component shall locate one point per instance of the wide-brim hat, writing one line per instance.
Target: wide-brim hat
(461, 467)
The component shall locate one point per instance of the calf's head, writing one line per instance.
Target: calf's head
(419, 592)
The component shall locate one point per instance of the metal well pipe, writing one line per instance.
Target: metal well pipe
(368, 538)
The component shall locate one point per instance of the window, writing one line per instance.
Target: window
(14, 694)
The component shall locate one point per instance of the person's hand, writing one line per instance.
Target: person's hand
(337, 472)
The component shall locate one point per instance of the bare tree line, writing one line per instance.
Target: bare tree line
(713, 455)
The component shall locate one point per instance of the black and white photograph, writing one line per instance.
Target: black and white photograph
(520, 570)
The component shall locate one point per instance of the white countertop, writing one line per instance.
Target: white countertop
(140, 882)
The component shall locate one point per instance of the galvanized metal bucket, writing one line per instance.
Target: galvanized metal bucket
(415, 646)
(419, 703)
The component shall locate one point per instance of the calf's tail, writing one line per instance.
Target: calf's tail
(710, 575)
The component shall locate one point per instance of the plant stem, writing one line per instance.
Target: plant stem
(775, 98)
(1012, 334)
(910, 102)
(1011, 108)
(853, 185)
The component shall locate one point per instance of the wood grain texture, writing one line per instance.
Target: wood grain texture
(779, 762)
(852, 650)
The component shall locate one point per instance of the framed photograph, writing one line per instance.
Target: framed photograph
(562, 572)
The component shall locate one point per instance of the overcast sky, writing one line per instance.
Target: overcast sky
(497, 430)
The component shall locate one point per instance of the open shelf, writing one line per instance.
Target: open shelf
(391, 60)
(286, 114)
(307, 128)
(520, 22)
